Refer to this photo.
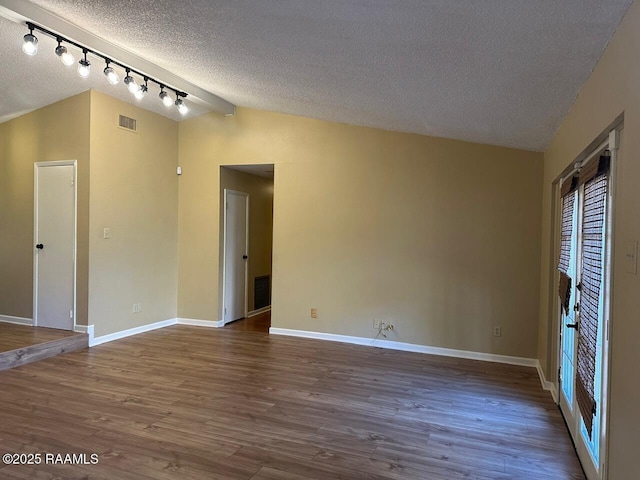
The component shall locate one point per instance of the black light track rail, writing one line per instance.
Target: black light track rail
(108, 60)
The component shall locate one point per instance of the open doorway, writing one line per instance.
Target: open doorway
(246, 237)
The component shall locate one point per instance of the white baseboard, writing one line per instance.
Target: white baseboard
(93, 341)
(201, 323)
(408, 347)
(131, 331)
(253, 313)
(16, 320)
(88, 329)
(546, 384)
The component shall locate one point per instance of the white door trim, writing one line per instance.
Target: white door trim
(228, 191)
(609, 246)
(36, 166)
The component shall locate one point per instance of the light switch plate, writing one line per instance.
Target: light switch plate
(106, 233)
(631, 257)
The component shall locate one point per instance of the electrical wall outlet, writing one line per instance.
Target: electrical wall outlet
(497, 331)
(379, 324)
(314, 313)
(137, 307)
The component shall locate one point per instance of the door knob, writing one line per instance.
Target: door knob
(39, 246)
(572, 325)
(244, 257)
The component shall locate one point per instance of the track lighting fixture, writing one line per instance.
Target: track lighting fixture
(30, 47)
(164, 96)
(112, 76)
(142, 90)
(30, 44)
(84, 66)
(130, 82)
(63, 53)
(182, 108)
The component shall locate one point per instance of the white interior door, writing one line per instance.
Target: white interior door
(236, 225)
(55, 232)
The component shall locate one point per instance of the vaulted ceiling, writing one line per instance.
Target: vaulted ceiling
(490, 71)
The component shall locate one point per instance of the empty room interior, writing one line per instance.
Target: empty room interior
(319, 240)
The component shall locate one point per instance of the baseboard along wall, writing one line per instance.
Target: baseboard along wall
(407, 347)
(16, 320)
(94, 341)
(546, 384)
(200, 323)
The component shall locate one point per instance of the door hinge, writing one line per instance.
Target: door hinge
(559, 377)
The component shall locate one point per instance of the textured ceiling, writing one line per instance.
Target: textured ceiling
(490, 71)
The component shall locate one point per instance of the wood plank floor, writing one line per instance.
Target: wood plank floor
(21, 344)
(14, 336)
(257, 323)
(192, 403)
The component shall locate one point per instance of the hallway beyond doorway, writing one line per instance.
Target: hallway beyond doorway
(257, 323)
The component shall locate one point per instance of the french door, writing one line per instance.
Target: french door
(585, 265)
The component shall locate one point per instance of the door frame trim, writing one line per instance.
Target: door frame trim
(609, 244)
(36, 166)
(228, 191)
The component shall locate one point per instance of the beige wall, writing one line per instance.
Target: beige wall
(437, 236)
(134, 192)
(260, 192)
(57, 132)
(614, 88)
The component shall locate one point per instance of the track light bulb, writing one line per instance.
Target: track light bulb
(166, 99)
(64, 55)
(112, 76)
(140, 92)
(30, 45)
(182, 108)
(84, 66)
(130, 83)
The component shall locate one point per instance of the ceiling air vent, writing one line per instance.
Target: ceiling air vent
(127, 123)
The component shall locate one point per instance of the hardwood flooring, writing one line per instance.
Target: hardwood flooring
(257, 323)
(21, 344)
(14, 336)
(196, 403)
